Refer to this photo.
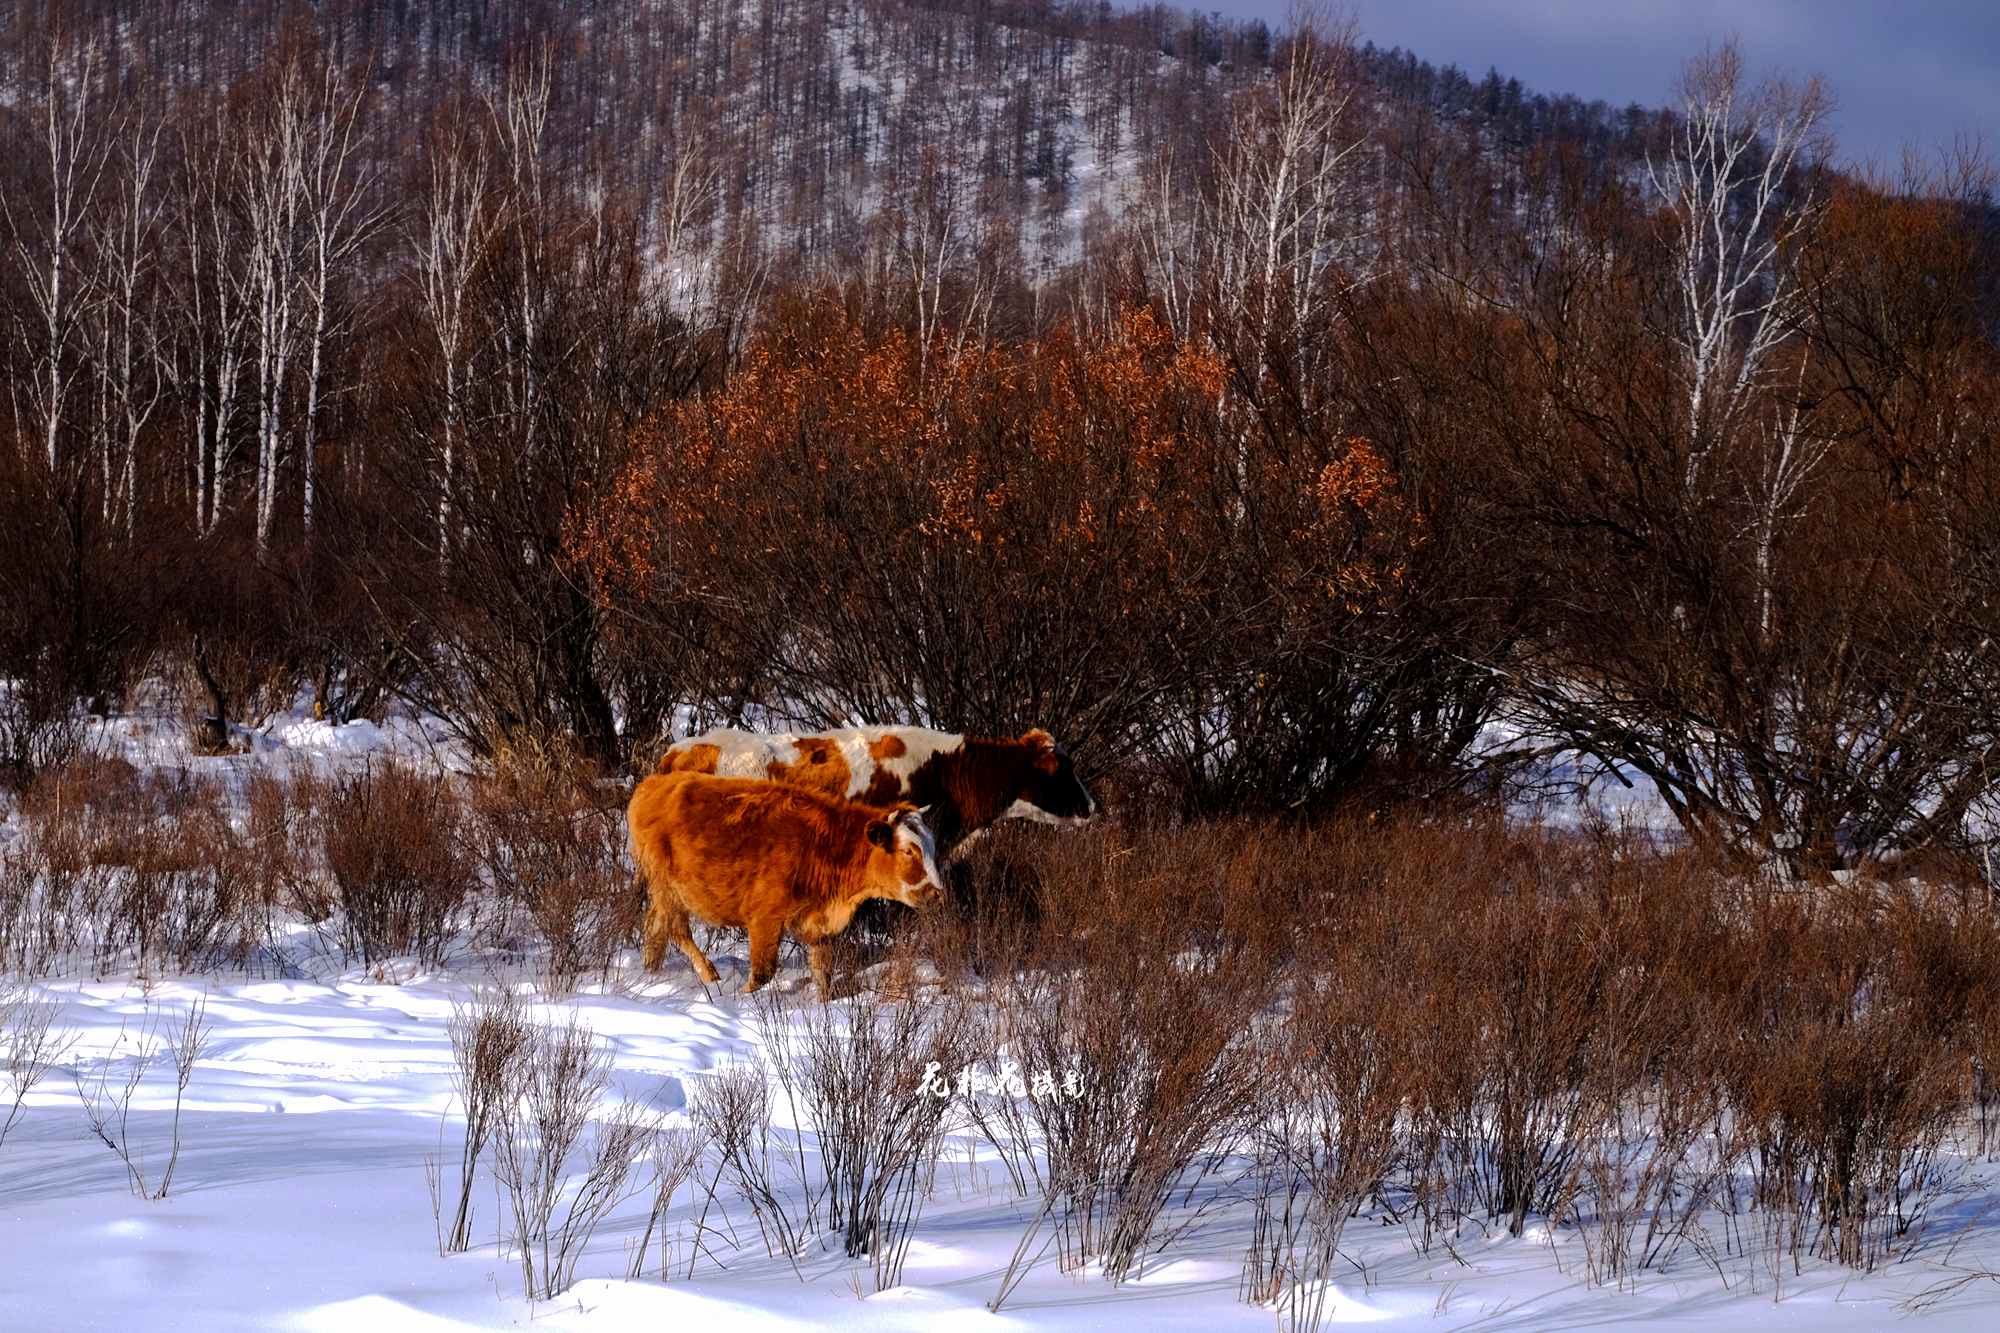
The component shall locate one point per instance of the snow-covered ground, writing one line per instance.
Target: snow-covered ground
(301, 1201)
(153, 735)
(312, 1123)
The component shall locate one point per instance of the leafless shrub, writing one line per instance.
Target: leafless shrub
(1653, 1151)
(41, 727)
(619, 1142)
(677, 1154)
(1140, 1022)
(1635, 1042)
(32, 1039)
(190, 896)
(732, 1109)
(23, 949)
(1333, 1090)
(1857, 1019)
(284, 813)
(1004, 1122)
(232, 680)
(392, 845)
(558, 1076)
(186, 1044)
(553, 847)
(58, 896)
(489, 1036)
(107, 1108)
(860, 1068)
(1640, 1190)
(119, 867)
(993, 912)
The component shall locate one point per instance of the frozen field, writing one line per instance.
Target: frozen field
(300, 1201)
(322, 1103)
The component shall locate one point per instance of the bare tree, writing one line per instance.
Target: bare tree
(452, 229)
(1733, 187)
(33, 1036)
(933, 237)
(521, 120)
(1771, 557)
(489, 1037)
(273, 185)
(686, 222)
(339, 215)
(126, 339)
(1285, 213)
(217, 338)
(49, 242)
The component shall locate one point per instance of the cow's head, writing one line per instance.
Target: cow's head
(1051, 793)
(905, 839)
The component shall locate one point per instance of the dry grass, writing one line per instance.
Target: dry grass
(394, 848)
(553, 849)
(115, 868)
(1468, 1025)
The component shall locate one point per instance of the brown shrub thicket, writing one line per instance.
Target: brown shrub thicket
(114, 868)
(394, 848)
(1468, 1027)
(553, 850)
(1062, 532)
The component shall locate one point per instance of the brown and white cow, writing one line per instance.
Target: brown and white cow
(769, 858)
(964, 783)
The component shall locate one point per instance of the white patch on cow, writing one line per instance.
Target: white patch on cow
(744, 754)
(739, 754)
(1023, 810)
(911, 831)
(919, 745)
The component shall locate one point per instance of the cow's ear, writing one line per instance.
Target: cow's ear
(881, 834)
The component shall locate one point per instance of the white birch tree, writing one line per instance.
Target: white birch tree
(1735, 184)
(1739, 188)
(273, 162)
(212, 249)
(126, 345)
(453, 227)
(48, 236)
(339, 216)
(521, 120)
(1285, 210)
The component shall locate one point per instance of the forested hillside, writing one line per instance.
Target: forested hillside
(1267, 415)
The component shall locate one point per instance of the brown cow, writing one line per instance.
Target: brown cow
(769, 858)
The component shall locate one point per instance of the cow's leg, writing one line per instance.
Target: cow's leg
(695, 956)
(667, 923)
(821, 954)
(652, 930)
(765, 936)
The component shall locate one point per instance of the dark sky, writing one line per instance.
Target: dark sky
(1901, 70)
